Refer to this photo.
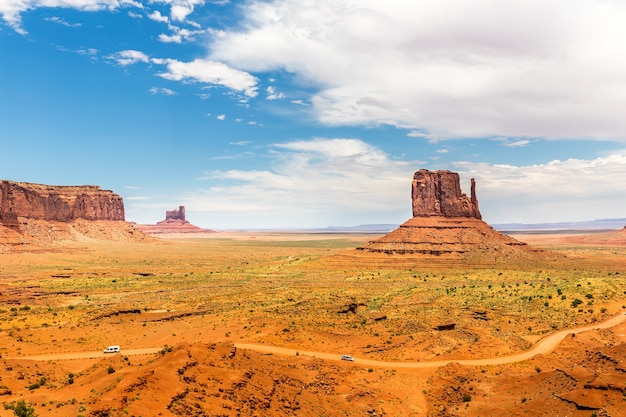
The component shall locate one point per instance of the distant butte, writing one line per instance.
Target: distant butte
(175, 222)
(447, 223)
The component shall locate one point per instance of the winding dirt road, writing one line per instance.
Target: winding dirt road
(545, 345)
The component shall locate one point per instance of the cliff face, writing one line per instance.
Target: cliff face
(58, 203)
(438, 193)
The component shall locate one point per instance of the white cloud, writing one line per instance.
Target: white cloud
(311, 183)
(570, 190)
(211, 72)
(221, 117)
(448, 69)
(129, 57)
(179, 35)
(273, 94)
(180, 9)
(11, 10)
(158, 17)
(321, 182)
(162, 90)
(60, 21)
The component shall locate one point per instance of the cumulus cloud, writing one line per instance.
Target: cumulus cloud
(158, 17)
(569, 190)
(342, 181)
(11, 10)
(273, 94)
(458, 68)
(199, 70)
(179, 35)
(311, 182)
(129, 57)
(212, 72)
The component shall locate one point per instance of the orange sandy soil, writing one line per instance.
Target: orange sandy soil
(192, 298)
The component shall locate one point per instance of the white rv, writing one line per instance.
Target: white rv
(112, 349)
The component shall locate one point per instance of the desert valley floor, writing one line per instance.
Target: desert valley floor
(254, 324)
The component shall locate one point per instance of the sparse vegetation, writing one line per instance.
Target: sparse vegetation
(22, 409)
(289, 294)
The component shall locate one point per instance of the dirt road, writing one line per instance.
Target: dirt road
(545, 345)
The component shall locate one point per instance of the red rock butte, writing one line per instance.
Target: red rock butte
(175, 222)
(447, 223)
(57, 203)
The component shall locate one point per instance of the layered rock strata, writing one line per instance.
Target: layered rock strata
(445, 222)
(57, 203)
(438, 193)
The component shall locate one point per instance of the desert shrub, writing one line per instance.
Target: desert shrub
(37, 384)
(24, 410)
(111, 369)
(589, 296)
(466, 398)
(576, 302)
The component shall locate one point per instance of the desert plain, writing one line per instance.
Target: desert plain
(255, 324)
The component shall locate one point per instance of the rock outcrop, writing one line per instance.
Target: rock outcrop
(35, 217)
(57, 203)
(447, 223)
(438, 193)
(174, 223)
(175, 214)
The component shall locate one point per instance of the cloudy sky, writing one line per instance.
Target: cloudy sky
(315, 113)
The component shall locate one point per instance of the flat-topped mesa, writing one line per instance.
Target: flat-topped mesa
(57, 203)
(438, 193)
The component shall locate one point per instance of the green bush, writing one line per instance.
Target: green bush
(24, 410)
(576, 302)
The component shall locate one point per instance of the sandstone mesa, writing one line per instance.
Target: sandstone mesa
(38, 215)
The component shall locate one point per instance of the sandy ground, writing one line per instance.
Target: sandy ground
(255, 324)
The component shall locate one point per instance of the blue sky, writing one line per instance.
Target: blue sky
(266, 114)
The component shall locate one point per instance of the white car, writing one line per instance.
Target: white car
(347, 358)
(112, 349)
